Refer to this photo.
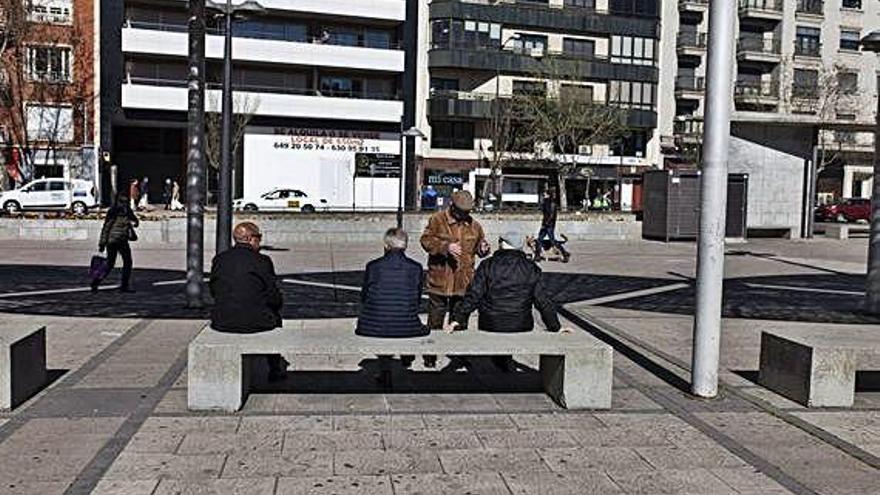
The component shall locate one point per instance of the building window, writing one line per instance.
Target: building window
(852, 4)
(632, 50)
(583, 4)
(807, 42)
(848, 82)
(452, 135)
(579, 48)
(530, 44)
(449, 33)
(576, 93)
(51, 11)
(50, 123)
(49, 63)
(849, 40)
(637, 7)
(806, 83)
(443, 84)
(810, 6)
(629, 94)
(530, 88)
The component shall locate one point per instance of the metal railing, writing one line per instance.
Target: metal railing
(690, 83)
(767, 5)
(761, 45)
(692, 39)
(691, 2)
(256, 88)
(688, 127)
(763, 89)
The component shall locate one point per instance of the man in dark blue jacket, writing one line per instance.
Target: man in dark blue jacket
(392, 293)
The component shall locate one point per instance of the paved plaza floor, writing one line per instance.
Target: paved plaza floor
(114, 419)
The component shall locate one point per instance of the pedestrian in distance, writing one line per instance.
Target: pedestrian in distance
(453, 241)
(505, 289)
(134, 193)
(145, 193)
(549, 214)
(391, 296)
(116, 235)
(166, 193)
(247, 298)
(175, 197)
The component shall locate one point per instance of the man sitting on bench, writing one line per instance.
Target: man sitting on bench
(505, 288)
(245, 291)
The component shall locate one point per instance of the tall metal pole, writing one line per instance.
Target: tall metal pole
(713, 201)
(872, 284)
(402, 179)
(195, 158)
(224, 199)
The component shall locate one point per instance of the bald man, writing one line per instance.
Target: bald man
(245, 290)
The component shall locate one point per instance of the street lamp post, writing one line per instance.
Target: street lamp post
(414, 133)
(230, 13)
(871, 43)
(496, 117)
(195, 158)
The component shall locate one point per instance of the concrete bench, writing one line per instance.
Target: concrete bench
(817, 366)
(841, 231)
(576, 367)
(22, 363)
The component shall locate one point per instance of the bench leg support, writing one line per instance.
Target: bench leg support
(218, 379)
(814, 377)
(23, 372)
(580, 380)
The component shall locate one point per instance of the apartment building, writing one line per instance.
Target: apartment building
(48, 97)
(804, 99)
(481, 52)
(321, 94)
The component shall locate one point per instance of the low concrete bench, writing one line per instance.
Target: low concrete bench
(817, 367)
(841, 231)
(576, 367)
(22, 363)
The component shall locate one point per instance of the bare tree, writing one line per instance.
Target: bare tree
(564, 118)
(46, 83)
(245, 107)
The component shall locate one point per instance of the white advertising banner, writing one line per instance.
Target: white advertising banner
(349, 169)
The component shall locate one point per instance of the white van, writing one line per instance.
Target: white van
(75, 195)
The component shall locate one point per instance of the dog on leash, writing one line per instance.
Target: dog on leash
(548, 250)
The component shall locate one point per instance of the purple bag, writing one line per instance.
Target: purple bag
(98, 269)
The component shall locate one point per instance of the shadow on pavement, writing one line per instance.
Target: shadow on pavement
(825, 297)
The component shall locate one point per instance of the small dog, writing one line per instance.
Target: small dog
(548, 250)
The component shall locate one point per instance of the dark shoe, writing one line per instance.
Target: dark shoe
(566, 257)
(430, 361)
(94, 286)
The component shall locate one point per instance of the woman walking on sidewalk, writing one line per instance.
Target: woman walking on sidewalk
(118, 231)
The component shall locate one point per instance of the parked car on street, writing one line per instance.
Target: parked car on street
(75, 195)
(847, 210)
(282, 199)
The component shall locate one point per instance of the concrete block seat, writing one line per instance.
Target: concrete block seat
(817, 366)
(22, 363)
(842, 231)
(576, 367)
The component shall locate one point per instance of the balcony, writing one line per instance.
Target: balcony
(692, 43)
(809, 50)
(545, 18)
(761, 95)
(170, 43)
(759, 50)
(386, 10)
(813, 8)
(688, 131)
(516, 62)
(761, 10)
(693, 6)
(689, 87)
(481, 106)
(161, 95)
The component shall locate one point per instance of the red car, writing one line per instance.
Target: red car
(847, 210)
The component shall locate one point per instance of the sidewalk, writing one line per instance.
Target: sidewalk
(116, 421)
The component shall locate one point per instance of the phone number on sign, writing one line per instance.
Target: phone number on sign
(327, 147)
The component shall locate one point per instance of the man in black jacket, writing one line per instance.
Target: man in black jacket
(505, 288)
(246, 294)
(549, 212)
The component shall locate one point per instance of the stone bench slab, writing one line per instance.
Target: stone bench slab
(817, 366)
(22, 363)
(576, 367)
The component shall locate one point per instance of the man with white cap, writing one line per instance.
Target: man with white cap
(505, 289)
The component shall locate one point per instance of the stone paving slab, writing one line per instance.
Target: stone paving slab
(260, 465)
(123, 487)
(442, 484)
(497, 460)
(132, 466)
(669, 482)
(591, 459)
(335, 485)
(587, 482)
(431, 440)
(503, 439)
(260, 424)
(332, 441)
(267, 443)
(379, 462)
(258, 486)
(33, 487)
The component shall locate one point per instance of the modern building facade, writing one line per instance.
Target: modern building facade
(48, 102)
(481, 53)
(320, 95)
(804, 99)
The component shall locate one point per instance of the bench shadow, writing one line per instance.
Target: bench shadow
(866, 381)
(479, 377)
(20, 397)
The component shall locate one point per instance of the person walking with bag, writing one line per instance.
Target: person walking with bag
(117, 233)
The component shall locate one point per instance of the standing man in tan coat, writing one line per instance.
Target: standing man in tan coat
(452, 240)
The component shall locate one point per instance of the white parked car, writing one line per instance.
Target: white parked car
(282, 199)
(51, 194)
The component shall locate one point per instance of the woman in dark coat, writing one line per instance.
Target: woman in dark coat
(118, 231)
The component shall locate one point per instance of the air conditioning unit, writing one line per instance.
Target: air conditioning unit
(585, 149)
